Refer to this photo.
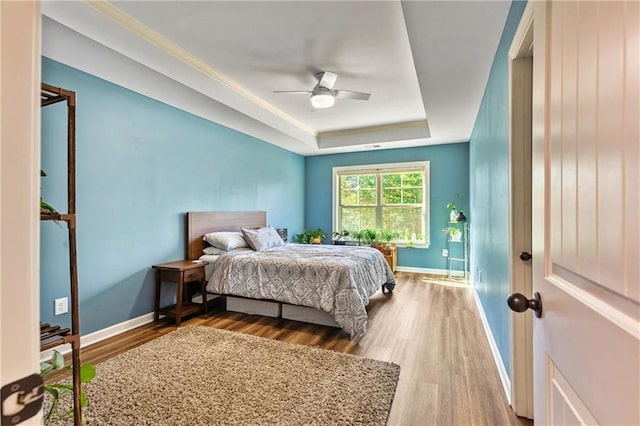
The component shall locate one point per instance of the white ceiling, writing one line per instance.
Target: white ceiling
(425, 63)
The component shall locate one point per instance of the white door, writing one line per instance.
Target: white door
(19, 210)
(586, 234)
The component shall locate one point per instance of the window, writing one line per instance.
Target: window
(390, 197)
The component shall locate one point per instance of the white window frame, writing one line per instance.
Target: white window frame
(422, 166)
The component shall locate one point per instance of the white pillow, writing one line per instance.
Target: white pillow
(213, 251)
(226, 240)
(262, 238)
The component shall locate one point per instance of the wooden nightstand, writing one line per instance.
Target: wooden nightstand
(180, 273)
(391, 256)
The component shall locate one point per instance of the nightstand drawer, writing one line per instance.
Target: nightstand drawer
(193, 275)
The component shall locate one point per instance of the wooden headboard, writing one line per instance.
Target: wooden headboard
(200, 223)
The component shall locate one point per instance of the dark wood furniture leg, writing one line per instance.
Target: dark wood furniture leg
(179, 297)
(156, 311)
(203, 291)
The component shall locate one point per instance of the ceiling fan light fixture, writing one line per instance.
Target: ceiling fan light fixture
(322, 100)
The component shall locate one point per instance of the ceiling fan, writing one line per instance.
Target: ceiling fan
(323, 94)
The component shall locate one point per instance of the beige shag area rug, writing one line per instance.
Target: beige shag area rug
(204, 376)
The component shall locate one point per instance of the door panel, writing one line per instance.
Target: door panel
(594, 94)
(587, 170)
(610, 143)
(598, 357)
(585, 227)
(565, 408)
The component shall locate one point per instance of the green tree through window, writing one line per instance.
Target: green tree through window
(389, 197)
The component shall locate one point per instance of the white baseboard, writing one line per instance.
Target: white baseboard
(100, 335)
(429, 271)
(502, 371)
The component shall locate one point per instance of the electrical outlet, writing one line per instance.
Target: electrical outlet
(60, 306)
(445, 252)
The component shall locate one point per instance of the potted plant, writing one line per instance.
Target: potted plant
(382, 241)
(44, 206)
(358, 236)
(316, 236)
(310, 237)
(454, 233)
(387, 236)
(456, 214)
(368, 236)
(452, 213)
(339, 237)
(302, 238)
(58, 391)
(376, 241)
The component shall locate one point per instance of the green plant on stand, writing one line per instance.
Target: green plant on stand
(58, 390)
(453, 208)
(453, 232)
(387, 236)
(44, 206)
(369, 236)
(339, 236)
(358, 236)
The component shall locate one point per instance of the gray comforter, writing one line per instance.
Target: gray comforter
(336, 279)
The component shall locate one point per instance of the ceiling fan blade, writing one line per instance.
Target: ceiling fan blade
(326, 79)
(350, 94)
(293, 92)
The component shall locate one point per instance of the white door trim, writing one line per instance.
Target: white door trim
(20, 24)
(521, 327)
(540, 173)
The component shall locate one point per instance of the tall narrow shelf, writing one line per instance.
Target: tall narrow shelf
(53, 335)
(461, 246)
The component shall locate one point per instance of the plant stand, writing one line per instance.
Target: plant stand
(455, 245)
(52, 336)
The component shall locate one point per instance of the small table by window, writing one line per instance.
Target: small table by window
(391, 256)
(180, 273)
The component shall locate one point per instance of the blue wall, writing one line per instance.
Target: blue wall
(449, 167)
(489, 165)
(140, 166)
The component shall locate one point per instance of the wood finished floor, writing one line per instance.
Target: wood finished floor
(429, 326)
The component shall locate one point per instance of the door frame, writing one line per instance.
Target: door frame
(520, 155)
(539, 185)
(20, 77)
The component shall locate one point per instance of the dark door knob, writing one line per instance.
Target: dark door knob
(525, 255)
(518, 302)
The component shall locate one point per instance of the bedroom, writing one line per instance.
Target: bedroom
(148, 163)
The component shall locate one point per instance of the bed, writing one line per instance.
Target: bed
(295, 280)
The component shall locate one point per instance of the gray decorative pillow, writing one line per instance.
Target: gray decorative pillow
(262, 238)
(225, 240)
